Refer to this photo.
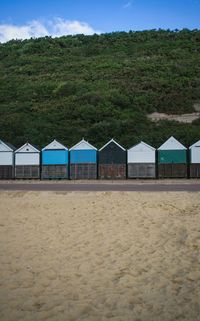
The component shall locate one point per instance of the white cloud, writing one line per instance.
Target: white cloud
(127, 5)
(64, 27)
(56, 27)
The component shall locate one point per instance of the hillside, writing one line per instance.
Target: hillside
(99, 87)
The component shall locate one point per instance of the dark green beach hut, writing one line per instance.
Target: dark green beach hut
(172, 159)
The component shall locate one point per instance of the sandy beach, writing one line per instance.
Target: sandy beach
(103, 256)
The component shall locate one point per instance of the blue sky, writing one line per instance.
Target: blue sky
(23, 18)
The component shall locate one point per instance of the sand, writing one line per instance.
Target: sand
(103, 256)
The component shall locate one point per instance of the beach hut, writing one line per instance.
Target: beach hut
(27, 162)
(172, 159)
(54, 161)
(83, 161)
(195, 160)
(6, 160)
(112, 161)
(141, 159)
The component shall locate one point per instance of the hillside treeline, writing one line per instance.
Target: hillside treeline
(99, 87)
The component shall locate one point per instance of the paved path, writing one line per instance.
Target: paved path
(142, 187)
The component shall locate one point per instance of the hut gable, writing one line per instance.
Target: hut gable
(83, 145)
(4, 147)
(55, 145)
(112, 142)
(27, 148)
(141, 153)
(195, 145)
(172, 144)
(141, 147)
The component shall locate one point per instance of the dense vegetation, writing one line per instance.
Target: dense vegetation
(99, 87)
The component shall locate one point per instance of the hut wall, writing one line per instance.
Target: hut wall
(54, 157)
(195, 170)
(141, 170)
(54, 171)
(6, 158)
(172, 156)
(112, 171)
(27, 159)
(83, 156)
(6, 171)
(172, 170)
(195, 155)
(27, 171)
(134, 156)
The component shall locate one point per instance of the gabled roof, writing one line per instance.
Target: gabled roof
(27, 145)
(144, 144)
(197, 144)
(54, 145)
(172, 144)
(112, 141)
(83, 145)
(8, 146)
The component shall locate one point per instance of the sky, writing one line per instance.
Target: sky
(22, 19)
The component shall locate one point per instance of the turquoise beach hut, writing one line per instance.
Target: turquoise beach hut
(55, 161)
(83, 161)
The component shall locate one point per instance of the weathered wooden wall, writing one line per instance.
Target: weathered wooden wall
(6, 172)
(83, 171)
(112, 171)
(54, 172)
(141, 170)
(194, 170)
(172, 170)
(27, 171)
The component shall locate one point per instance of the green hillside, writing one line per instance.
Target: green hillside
(99, 87)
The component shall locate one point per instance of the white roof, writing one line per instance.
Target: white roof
(55, 145)
(141, 144)
(172, 144)
(110, 141)
(197, 144)
(4, 147)
(27, 148)
(83, 145)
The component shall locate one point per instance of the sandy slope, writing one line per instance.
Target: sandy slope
(99, 256)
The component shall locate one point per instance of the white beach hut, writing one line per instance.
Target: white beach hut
(141, 159)
(6, 160)
(27, 162)
(195, 160)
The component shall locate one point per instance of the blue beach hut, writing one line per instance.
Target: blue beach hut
(54, 161)
(83, 161)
